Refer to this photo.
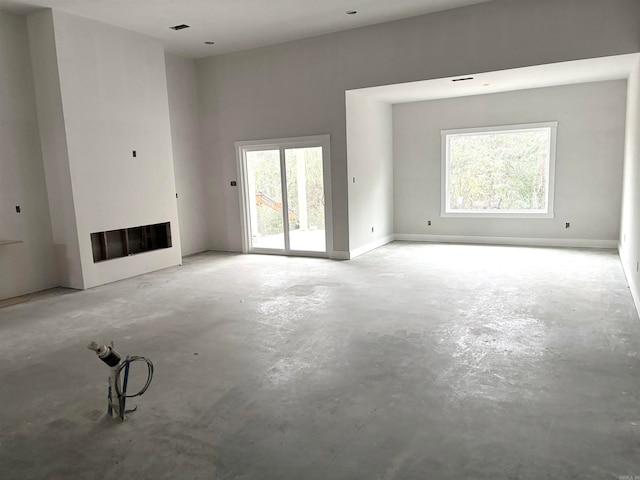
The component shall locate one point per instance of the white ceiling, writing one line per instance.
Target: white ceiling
(235, 25)
(564, 73)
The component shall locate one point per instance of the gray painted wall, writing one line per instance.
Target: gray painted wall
(589, 159)
(298, 88)
(27, 266)
(187, 153)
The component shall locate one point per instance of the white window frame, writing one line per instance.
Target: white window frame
(445, 211)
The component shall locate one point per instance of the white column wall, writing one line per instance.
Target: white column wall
(370, 152)
(630, 225)
(114, 100)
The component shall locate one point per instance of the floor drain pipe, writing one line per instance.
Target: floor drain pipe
(117, 395)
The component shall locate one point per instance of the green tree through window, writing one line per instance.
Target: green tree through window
(498, 170)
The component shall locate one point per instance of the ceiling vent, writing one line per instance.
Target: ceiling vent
(462, 79)
(179, 27)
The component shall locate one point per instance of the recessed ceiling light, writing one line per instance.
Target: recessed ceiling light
(182, 26)
(209, 43)
(351, 12)
(463, 79)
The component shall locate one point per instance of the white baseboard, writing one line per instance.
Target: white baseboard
(356, 252)
(633, 286)
(531, 242)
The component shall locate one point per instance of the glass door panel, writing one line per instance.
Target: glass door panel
(264, 179)
(305, 199)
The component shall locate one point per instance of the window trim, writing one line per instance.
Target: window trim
(444, 153)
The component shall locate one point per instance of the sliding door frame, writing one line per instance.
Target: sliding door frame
(282, 144)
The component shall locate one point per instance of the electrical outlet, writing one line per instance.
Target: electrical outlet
(637, 265)
(233, 183)
(371, 229)
(354, 179)
(18, 209)
(567, 225)
(429, 223)
(135, 154)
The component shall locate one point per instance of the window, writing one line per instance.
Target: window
(504, 171)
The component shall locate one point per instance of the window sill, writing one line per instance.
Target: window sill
(497, 215)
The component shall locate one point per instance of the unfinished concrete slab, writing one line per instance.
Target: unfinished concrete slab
(413, 361)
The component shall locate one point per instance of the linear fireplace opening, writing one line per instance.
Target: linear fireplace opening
(130, 241)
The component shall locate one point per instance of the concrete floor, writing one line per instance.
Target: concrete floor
(414, 361)
(300, 240)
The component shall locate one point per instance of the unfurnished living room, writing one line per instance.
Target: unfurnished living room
(320, 240)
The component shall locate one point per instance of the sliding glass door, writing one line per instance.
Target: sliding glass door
(284, 195)
(265, 186)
